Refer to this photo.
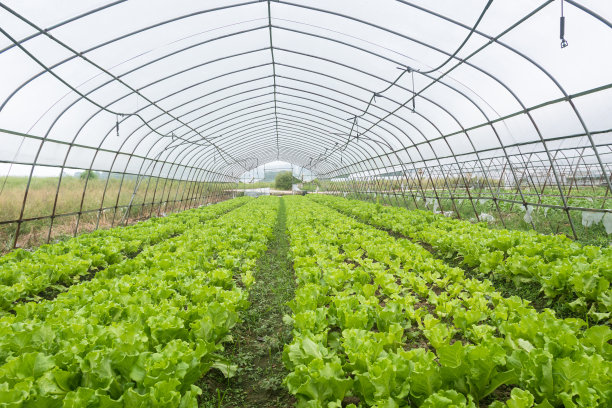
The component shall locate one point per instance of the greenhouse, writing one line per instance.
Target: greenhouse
(394, 203)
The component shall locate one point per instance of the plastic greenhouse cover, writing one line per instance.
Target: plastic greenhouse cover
(607, 222)
(527, 217)
(591, 218)
(345, 87)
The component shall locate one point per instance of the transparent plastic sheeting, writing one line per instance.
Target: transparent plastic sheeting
(348, 89)
(594, 218)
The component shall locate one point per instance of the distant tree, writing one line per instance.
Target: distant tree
(88, 173)
(284, 180)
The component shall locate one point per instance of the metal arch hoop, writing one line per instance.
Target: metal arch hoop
(490, 123)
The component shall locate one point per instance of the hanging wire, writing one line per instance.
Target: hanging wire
(564, 42)
(414, 94)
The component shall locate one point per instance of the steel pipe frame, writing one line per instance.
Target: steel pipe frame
(437, 80)
(463, 61)
(57, 191)
(451, 149)
(595, 151)
(566, 96)
(429, 100)
(102, 141)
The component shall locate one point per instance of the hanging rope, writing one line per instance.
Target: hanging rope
(117, 127)
(564, 42)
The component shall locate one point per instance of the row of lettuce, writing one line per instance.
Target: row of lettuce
(144, 330)
(379, 322)
(567, 271)
(24, 274)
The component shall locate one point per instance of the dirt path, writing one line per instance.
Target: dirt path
(258, 341)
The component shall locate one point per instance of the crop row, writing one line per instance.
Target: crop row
(566, 270)
(379, 322)
(143, 331)
(24, 273)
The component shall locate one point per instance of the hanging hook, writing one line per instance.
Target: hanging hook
(564, 42)
(117, 127)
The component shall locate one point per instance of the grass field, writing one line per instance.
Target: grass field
(99, 193)
(259, 184)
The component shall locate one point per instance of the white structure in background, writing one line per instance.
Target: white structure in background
(256, 192)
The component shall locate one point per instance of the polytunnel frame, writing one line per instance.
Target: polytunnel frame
(360, 159)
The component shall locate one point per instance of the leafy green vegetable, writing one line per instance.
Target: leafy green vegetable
(24, 273)
(566, 270)
(405, 329)
(145, 330)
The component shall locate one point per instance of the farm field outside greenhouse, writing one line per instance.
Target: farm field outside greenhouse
(58, 209)
(306, 301)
